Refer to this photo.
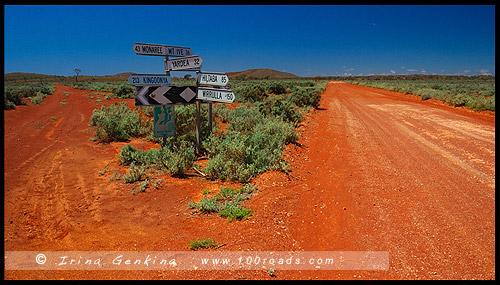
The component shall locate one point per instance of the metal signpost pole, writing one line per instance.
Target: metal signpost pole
(209, 118)
(173, 107)
(198, 127)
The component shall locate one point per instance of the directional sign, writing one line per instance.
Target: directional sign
(164, 95)
(182, 63)
(212, 78)
(217, 95)
(164, 121)
(161, 50)
(149, 79)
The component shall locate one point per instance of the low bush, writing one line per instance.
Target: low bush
(458, 100)
(227, 203)
(8, 105)
(308, 96)
(250, 93)
(176, 157)
(235, 212)
(130, 154)
(124, 91)
(118, 123)
(15, 93)
(281, 106)
(135, 173)
(198, 244)
(277, 87)
(252, 144)
(38, 98)
(14, 97)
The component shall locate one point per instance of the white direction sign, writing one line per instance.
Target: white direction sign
(182, 63)
(217, 95)
(149, 79)
(212, 78)
(161, 50)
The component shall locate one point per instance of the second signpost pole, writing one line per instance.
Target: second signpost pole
(168, 74)
(198, 123)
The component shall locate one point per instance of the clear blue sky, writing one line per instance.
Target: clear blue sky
(304, 40)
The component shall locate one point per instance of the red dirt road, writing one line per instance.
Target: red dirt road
(375, 171)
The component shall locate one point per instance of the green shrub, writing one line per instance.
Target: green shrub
(14, 96)
(135, 173)
(228, 155)
(251, 93)
(47, 88)
(244, 118)
(130, 154)
(226, 203)
(206, 243)
(308, 96)
(144, 185)
(8, 105)
(124, 91)
(252, 144)
(206, 205)
(276, 87)
(118, 123)
(27, 92)
(234, 211)
(177, 157)
(38, 98)
(458, 100)
(280, 106)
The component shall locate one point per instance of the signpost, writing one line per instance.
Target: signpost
(155, 89)
(149, 79)
(183, 63)
(216, 95)
(161, 50)
(212, 78)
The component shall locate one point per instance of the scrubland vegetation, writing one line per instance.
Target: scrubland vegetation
(248, 136)
(255, 131)
(477, 93)
(16, 93)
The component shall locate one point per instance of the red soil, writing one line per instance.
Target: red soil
(374, 171)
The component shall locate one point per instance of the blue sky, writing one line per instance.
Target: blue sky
(304, 40)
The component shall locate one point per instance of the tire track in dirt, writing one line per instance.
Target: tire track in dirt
(372, 171)
(398, 153)
(47, 196)
(407, 185)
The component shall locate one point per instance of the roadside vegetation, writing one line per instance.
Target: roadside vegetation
(16, 94)
(227, 202)
(477, 93)
(247, 138)
(252, 142)
(205, 243)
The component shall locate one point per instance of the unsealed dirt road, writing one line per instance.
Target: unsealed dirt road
(373, 171)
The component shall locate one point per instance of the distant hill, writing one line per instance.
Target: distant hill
(25, 77)
(260, 74)
(36, 77)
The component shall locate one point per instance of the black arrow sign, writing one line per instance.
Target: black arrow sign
(164, 95)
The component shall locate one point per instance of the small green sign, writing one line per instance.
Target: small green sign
(164, 122)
